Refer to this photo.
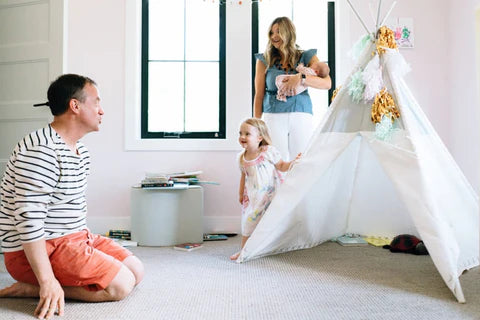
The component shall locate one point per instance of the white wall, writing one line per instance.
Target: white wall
(443, 77)
(463, 87)
(96, 46)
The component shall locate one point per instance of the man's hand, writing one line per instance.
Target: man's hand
(51, 293)
(51, 300)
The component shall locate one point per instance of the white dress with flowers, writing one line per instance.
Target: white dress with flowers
(261, 182)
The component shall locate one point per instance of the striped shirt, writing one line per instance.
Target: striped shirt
(43, 190)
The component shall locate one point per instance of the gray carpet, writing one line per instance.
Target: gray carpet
(326, 282)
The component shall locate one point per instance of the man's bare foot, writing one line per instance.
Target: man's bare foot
(235, 256)
(20, 290)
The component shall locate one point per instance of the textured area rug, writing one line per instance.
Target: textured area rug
(326, 282)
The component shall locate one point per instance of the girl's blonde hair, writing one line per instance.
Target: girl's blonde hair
(262, 130)
(289, 48)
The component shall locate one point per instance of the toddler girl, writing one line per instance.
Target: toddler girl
(260, 164)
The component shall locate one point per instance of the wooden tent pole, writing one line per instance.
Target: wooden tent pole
(378, 15)
(388, 13)
(358, 16)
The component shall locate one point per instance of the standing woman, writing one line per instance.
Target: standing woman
(290, 122)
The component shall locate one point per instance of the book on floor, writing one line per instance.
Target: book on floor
(351, 241)
(187, 246)
(214, 237)
(126, 243)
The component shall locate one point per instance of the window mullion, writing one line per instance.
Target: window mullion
(184, 63)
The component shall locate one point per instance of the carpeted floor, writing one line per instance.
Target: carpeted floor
(326, 282)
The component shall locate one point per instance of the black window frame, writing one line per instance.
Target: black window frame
(331, 45)
(145, 134)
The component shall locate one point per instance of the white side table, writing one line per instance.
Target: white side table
(167, 216)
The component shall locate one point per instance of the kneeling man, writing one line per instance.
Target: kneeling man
(47, 246)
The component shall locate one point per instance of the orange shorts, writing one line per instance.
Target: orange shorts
(80, 259)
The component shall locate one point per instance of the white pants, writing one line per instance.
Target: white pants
(290, 132)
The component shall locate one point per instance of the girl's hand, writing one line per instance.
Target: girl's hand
(291, 163)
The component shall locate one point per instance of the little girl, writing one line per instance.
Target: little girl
(260, 164)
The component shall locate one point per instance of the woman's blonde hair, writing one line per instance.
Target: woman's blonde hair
(289, 48)
(262, 130)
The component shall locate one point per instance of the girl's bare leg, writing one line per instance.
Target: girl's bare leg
(236, 255)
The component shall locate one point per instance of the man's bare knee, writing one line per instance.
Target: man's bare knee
(136, 267)
(121, 285)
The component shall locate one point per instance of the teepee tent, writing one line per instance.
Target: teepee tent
(375, 167)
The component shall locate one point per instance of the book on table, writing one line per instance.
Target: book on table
(189, 246)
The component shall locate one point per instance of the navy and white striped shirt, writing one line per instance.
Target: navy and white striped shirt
(43, 190)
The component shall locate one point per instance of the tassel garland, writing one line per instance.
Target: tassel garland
(372, 78)
(386, 39)
(384, 130)
(384, 105)
(334, 94)
(359, 46)
(356, 87)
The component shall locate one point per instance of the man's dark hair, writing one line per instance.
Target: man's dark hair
(65, 88)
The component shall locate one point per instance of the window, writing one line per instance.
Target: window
(183, 70)
(314, 23)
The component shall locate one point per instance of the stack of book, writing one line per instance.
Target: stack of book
(185, 178)
(120, 234)
(156, 180)
(122, 237)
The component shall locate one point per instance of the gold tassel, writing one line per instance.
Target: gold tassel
(386, 39)
(334, 94)
(384, 105)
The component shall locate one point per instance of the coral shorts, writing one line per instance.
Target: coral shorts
(80, 259)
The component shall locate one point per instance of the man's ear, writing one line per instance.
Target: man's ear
(73, 105)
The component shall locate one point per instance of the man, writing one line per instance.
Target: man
(47, 246)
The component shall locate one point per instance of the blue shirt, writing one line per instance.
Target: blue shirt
(298, 103)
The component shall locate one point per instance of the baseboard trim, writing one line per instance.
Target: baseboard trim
(221, 224)
(101, 225)
(211, 224)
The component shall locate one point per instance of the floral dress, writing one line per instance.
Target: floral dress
(261, 181)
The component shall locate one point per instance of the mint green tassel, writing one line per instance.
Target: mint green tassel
(360, 45)
(384, 130)
(356, 87)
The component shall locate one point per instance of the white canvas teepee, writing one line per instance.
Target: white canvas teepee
(372, 179)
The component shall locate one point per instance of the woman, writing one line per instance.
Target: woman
(290, 121)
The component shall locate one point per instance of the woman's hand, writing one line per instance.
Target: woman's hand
(290, 84)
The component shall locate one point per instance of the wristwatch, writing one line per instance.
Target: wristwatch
(303, 79)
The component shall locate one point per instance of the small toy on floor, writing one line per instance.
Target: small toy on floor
(408, 244)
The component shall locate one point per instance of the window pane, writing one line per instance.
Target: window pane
(166, 30)
(201, 35)
(309, 17)
(202, 97)
(312, 26)
(267, 12)
(165, 97)
(311, 23)
(320, 104)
